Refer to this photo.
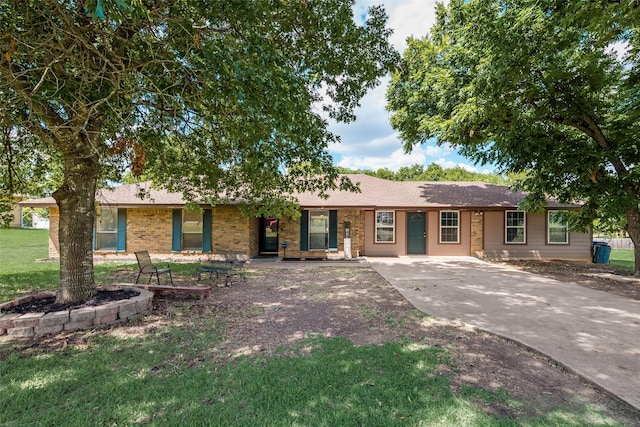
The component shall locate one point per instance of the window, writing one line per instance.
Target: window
(385, 226)
(558, 227)
(191, 231)
(107, 229)
(515, 227)
(449, 227)
(318, 229)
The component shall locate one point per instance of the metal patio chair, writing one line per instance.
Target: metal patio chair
(148, 267)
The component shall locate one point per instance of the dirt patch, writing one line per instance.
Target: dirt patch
(603, 277)
(283, 303)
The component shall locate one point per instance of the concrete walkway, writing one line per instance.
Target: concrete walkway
(595, 334)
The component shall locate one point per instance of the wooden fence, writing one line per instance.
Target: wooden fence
(624, 243)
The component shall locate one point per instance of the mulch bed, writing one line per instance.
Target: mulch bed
(48, 304)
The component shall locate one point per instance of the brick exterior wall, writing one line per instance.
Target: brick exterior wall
(289, 231)
(151, 229)
(477, 234)
(54, 222)
(254, 237)
(233, 231)
(356, 217)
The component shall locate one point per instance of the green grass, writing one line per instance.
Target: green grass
(622, 258)
(21, 273)
(178, 375)
(165, 378)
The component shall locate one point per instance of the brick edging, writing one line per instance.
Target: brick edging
(35, 324)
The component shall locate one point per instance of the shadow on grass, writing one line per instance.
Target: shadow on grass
(624, 258)
(166, 378)
(13, 285)
(626, 264)
(16, 284)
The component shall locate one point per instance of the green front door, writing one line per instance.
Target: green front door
(268, 235)
(416, 233)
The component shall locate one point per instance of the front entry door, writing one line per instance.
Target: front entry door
(416, 233)
(268, 235)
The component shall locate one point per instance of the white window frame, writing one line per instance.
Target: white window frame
(184, 229)
(325, 214)
(507, 227)
(385, 226)
(566, 227)
(449, 227)
(100, 231)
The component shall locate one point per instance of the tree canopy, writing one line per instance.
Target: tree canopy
(25, 169)
(548, 88)
(217, 99)
(433, 172)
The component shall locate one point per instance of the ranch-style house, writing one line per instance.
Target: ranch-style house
(386, 219)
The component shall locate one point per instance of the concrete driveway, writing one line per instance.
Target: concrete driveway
(593, 333)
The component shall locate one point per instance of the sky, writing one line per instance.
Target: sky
(370, 142)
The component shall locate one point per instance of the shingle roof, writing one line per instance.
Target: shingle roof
(130, 195)
(375, 193)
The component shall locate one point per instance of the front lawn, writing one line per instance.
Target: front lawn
(158, 380)
(20, 272)
(622, 258)
(279, 350)
(24, 268)
(195, 362)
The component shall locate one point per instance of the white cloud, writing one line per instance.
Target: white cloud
(371, 145)
(370, 142)
(394, 161)
(619, 49)
(410, 18)
(367, 156)
(406, 17)
(440, 150)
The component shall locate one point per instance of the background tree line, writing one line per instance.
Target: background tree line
(434, 172)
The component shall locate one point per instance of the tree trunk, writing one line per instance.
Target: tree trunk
(76, 200)
(633, 228)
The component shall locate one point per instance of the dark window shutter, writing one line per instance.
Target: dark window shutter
(176, 231)
(304, 231)
(121, 239)
(333, 229)
(206, 230)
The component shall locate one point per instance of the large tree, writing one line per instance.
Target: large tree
(212, 98)
(25, 169)
(548, 88)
